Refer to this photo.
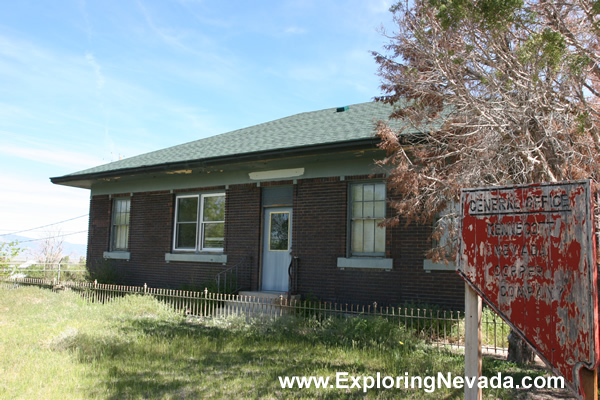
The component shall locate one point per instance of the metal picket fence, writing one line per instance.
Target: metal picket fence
(436, 326)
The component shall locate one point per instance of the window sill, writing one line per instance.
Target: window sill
(429, 266)
(117, 255)
(196, 257)
(368, 263)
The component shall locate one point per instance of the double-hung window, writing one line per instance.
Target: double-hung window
(445, 223)
(367, 211)
(200, 222)
(120, 224)
(443, 241)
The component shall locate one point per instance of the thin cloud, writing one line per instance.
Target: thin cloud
(294, 30)
(78, 116)
(86, 18)
(191, 41)
(58, 157)
(89, 57)
(39, 192)
(164, 34)
(39, 203)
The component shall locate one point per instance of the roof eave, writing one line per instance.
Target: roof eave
(84, 180)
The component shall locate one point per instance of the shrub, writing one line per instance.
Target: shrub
(104, 271)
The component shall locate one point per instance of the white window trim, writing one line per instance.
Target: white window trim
(206, 258)
(176, 222)
(289, 230)
(112, 247)
(350, 200)
(366, 263)
(117, 255)
(429, 266)
(199, 224)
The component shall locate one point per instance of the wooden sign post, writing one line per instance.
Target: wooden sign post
(473, 312)
(529, 252)
(589, 383)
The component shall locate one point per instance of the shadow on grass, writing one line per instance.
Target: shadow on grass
(151, 358)
(157, 359)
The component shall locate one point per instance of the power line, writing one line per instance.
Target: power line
(44, 226)
(50, 237)
(61, 231)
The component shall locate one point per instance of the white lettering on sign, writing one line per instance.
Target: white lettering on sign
(531, 204)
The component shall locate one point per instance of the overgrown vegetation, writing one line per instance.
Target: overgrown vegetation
(8, 251)
(429, 322)
(503, 93)
(53, 345)
(104, 271)
(66, 272)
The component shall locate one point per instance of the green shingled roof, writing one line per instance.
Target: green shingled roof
(303, 130)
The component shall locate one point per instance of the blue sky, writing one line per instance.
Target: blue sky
(84, 83)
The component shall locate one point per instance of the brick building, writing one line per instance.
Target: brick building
(302, 191)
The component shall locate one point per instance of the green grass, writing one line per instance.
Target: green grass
(54, 346)
(494, 331)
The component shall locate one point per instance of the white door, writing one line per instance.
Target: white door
(277, 245)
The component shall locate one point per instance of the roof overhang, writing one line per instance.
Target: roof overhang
(85, 181)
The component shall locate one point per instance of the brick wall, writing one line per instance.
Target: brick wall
(320, 215)
(319, 238)
(151, 236)
(320, 229)
(242, 229)
(98, 231)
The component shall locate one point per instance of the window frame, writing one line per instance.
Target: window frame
(448, 264)
(351, 219)
(200, 224)
(288, 233)
(114, 231)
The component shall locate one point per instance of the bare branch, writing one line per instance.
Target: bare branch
(516, 100)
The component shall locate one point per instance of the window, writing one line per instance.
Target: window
(200, 222)
(444, 239)
(279, 231)
(120, 224)
(443, 226)
(367, 210)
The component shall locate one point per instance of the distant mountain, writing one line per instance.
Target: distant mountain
(31, 246)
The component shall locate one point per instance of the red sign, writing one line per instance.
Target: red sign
(529, 251)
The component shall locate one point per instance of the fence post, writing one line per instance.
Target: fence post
(205, 302)
(145, 287)
(280, 304)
